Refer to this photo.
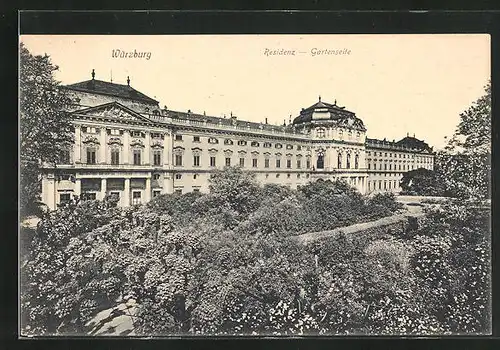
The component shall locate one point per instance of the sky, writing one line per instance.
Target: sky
(397, 84)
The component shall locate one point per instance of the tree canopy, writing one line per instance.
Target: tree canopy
(45, 129)
(465, 166)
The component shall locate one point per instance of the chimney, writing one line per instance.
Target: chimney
(189, 111)
(128, 80)
(413, 135)
(290, 119)
(266, 120)
(407, 134)
(93, 74)
(319, 98)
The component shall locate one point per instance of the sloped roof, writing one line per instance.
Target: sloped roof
(337, 113)
(414, 143)
(112, 89)
(407, 143)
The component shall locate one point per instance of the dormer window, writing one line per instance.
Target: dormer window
(156, 112)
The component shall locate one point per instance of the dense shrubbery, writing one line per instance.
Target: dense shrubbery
(227, 263)
(238, 202)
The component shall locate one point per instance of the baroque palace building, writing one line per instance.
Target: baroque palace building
(129, 147)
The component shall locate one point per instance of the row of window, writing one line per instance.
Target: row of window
(178, 161)
(119, 132)
(321, 133)
(115, 156)
(403, 167)
(399, 155)
(213, 140)
(386, 174)
(288, 176)
(320, 163)
(157, 160)
(387, 185)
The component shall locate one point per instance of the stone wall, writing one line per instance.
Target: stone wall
(396, 224)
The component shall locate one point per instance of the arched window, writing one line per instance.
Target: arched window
(320, 164)
(348, 161)
(356, 161)
(321, 133)
(339, 161)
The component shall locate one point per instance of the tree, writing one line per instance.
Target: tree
(45, 129)
(234, 194)
(465, 165)
(473, 133)
(423, 182)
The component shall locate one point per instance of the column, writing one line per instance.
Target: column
(167, 148)
(168, 183)
(126, 193)
(77, 191)
(103, 189)
(147, 149)
(102, 147)
(328, 164)
(78, 144)
(126, 146)
(49, 191)
(147, 192)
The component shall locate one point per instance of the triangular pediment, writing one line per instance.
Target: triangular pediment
(112, 110)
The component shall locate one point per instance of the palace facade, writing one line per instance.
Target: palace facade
(129, 147)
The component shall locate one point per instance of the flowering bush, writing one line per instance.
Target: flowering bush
(236, 270)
